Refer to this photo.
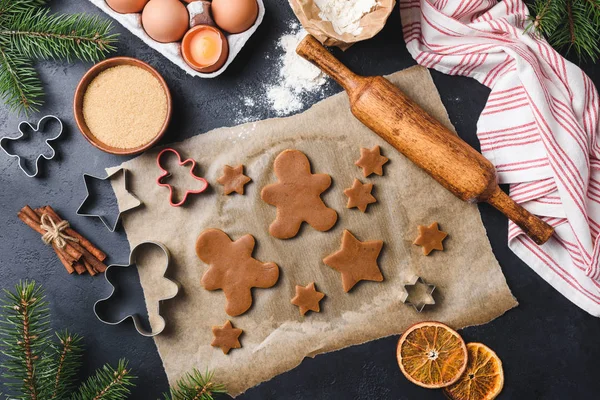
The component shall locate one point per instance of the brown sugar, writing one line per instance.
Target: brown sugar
(125, 107)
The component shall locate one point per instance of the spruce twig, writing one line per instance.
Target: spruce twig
(36, 368)
(24, 332)
(107, 384)
(195, 386)
(66, 364)
(569, 25)
(29, 32)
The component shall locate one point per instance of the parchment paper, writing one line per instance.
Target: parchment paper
(471, 288)
(308, 14)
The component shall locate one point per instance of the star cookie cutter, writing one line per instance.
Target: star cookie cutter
(165, 174)
(40, 127)
(136, 317)
(419, 305)
(135, 203)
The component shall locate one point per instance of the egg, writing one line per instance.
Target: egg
(127, 6)
(235, 16)
(165, 20)
(205, 48)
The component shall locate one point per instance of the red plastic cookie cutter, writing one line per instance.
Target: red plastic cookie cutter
(166, 174)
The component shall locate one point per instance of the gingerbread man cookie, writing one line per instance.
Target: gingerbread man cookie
(297, 196)
(233, 269)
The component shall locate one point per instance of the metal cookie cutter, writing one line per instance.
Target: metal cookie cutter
(40, 127)
(136, 317)
(165, 174)
(132, 199)
(419, 304)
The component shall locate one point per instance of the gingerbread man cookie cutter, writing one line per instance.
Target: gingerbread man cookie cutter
(38, 129)
(137, 322)
(165, 174)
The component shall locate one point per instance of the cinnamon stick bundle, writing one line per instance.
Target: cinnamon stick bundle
(77, 253)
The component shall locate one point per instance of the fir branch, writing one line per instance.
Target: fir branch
(66, 363)
(24, 330)
(570, 25)
(107, 384)
(39, 35)
(19, 6)
(195, 386)
(20, 86)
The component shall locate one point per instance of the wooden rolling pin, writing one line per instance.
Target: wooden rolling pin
(458, 167)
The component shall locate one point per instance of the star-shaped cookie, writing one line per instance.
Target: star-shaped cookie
(233, 179)
(371, 161)
(356, 261)
(226, 337)
(359, 195)
(430, 238)
(307, 298)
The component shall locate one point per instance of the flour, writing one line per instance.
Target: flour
(345, 15)
(295, 83)
(297, 75)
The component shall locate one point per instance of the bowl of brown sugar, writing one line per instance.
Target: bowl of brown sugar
(122, 106)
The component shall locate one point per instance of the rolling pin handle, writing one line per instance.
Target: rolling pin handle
(312, 50)
(533, 226)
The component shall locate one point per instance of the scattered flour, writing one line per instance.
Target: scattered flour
(345, 15)
(287, 92)
(297, 76)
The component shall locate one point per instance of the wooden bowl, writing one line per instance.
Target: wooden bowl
(80, 92)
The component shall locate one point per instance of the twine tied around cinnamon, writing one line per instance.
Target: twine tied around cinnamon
(54, 232)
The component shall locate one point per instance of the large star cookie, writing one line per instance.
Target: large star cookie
(359, 195)
(297, 196)
(356, 261)
(226, 337)
(430, 238)
(233, 269)
(233, 179)
(371, 161)
(307, 298)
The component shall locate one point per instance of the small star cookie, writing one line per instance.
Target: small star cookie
(356, 261)
(226, 337)
(371, 161)
(430, 238)
(233, 179)
(359, 195)
(307, 298)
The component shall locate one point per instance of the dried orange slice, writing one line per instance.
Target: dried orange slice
(483, 379)
(432, 355)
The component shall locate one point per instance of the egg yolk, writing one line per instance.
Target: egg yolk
(206, 47)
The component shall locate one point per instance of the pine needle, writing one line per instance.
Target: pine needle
(39, 35)
(28, 32)
(569, 25)
(24, 327)
(195, 386)
(107, 384)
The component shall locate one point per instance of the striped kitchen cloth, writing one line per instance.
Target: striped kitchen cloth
(539, 128)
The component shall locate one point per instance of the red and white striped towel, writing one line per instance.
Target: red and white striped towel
(539, 128)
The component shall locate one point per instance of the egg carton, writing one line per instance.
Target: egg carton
(133, 23)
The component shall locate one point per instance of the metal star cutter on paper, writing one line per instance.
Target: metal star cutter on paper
(39, 129)
(425, 300)
(130, 201)
(136, 317)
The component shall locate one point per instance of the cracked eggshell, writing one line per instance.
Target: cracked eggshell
(200, 14)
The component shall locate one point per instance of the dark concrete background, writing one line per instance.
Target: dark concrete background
(548, 345)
